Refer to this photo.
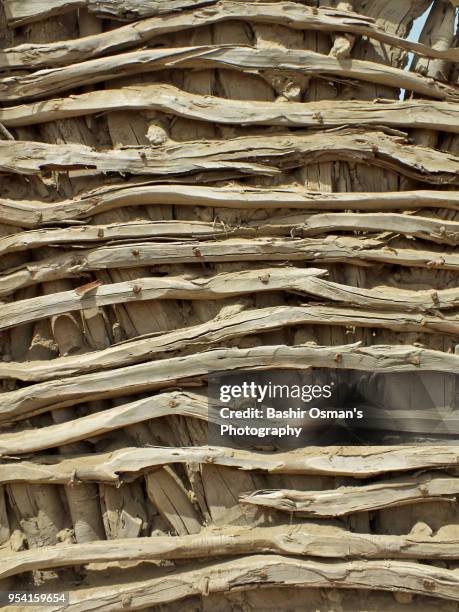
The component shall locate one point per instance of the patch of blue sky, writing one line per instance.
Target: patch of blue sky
(414, 35)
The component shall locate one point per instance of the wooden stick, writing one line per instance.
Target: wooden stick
(54, 80)
(110, 467)
(295, 540)
(346, 249)
(267, 571)
(62, 392)
(426, 114)
(346, 500)
(35, 214)
(246, 154)
(287, 14)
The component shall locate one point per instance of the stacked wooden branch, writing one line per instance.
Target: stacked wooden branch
(225, 186)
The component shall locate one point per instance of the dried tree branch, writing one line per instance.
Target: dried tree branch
(296, 540)
(297, 280)
(247, 154)
(346, 500)
(59, 393)
(20, 12)
(433, 230)
(54, 80)
(430, 229)
(287, 14)
(35, 214)
(422, 114)
(358, 251)
(110, 467)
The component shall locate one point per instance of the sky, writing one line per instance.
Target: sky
(414, 36)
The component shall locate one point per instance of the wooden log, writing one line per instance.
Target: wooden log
(110, 467)
(54, 80)
(246, 154)
(296, 540)
(287, 14)
(32, 214)
(59, 393)
(346, 500)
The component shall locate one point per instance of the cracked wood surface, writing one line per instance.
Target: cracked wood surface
(267, 570)
(32, 214)
(296, 540)
(299, 281)
(282, 13)
(429, 229)
(363, 462)
(256, 155)
(359, 251)
(20, 12)
(64, 392)
(346, 500)
(426, 114)
(123, 286)
(54, 80)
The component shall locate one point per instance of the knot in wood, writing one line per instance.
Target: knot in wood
(429, 585)
(264, 278)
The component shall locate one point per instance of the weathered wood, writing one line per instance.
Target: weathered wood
(362, 462)
(426, 114)
(219, 286)
(346, 249)
(170, 498)
(287, 14)
(296, 540)
(32, 214)
(430, 229)
(164, 404)
(224, 285)
(136, 230)
(346, 500)
(54, 80)
(240, 324)
(251, 155)
(20, 12)
(59, 393)
(261, 571)
(280, 316)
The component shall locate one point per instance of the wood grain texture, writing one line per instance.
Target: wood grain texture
(54, 80)
(346, 500)
(282, 13)
(63, 392)
(31, 214)
(363, 462)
